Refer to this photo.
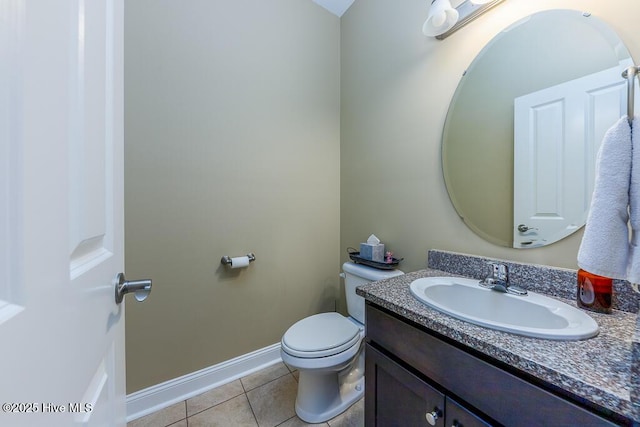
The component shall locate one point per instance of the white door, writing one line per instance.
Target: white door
(61, 213)
(557, 133)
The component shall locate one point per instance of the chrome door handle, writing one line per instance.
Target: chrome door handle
(141, 288)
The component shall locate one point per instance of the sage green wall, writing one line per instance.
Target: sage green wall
(396, 89)
(231, 146)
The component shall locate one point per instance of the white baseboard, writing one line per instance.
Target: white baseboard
(159, 396)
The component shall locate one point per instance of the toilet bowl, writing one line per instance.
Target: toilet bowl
(321, 347)
(328, 351)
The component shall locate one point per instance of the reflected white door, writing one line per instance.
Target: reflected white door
(61, 212)
(557, 133)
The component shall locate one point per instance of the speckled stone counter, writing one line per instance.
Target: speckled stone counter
(602, 370)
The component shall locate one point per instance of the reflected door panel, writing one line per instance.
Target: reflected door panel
(557, 133)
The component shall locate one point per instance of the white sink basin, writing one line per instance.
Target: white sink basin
(533, 315)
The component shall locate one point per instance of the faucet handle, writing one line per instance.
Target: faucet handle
(498, 280)
(499, 271)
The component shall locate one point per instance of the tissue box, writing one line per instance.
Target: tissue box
(372, 252)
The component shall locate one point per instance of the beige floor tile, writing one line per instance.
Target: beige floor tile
(264, 376)
(352, 417)
(270, 400)
(162, 418)
(291, 368)
(214, 397)
(297, 422)
(235, 412)
(273, 403)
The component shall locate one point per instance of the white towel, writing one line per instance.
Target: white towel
(605, 245)
(633, 270)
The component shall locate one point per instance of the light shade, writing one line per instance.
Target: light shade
(442, 17)
(443, 20)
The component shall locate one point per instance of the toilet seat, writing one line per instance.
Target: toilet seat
(320, 335)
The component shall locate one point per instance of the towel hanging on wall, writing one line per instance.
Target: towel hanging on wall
(633, 269)
(605, 244)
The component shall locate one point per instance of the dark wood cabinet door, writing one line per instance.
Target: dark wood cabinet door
(400, 398)
(457, 415)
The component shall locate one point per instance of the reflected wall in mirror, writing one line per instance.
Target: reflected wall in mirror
(525, 123)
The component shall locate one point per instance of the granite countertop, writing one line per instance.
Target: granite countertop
(600, 369)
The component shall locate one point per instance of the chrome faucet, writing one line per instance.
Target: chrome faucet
(498, 280)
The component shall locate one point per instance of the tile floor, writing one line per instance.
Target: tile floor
(263, 399)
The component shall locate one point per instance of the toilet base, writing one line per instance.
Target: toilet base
(328, 399)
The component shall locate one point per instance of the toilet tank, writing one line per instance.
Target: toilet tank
(356, 275)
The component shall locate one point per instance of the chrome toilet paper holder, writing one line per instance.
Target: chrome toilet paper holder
(226, 260)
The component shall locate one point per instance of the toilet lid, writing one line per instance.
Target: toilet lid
(322, 334)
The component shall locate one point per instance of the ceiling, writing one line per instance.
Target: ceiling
(337, 7)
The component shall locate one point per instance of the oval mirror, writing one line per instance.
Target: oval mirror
(525, 123)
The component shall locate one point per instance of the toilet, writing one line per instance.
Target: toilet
(328, 351)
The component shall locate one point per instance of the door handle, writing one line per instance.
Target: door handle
(140, 288)
(523, 228)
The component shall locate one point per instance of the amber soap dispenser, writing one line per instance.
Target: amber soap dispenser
(594, 292)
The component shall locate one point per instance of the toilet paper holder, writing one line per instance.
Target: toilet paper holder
(226, 260)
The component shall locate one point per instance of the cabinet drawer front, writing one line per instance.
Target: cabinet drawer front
(457, 415)
(400, 398)
(504, 397)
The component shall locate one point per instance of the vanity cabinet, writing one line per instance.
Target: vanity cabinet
(401, 398)
(415, 378)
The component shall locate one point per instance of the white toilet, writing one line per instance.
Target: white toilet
(328, 351)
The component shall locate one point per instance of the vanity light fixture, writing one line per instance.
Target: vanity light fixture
(443, 19)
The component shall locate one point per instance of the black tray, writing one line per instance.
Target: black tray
(355, 257)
